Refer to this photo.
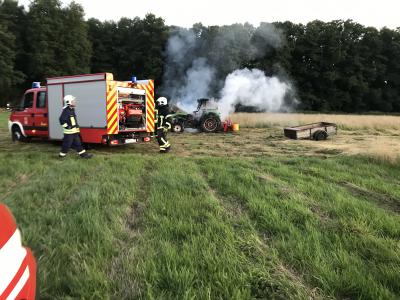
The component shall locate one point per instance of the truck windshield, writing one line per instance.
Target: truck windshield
(41, 100)
(27, 101)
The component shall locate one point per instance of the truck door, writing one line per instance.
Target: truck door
(26, 115)
(40, 119)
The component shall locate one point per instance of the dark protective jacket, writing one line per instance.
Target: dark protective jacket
(68, 120)
(163, 115)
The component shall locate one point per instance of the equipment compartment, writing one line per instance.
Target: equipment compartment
(131, 109)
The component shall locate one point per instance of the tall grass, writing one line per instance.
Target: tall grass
(332, 237)
(294, 119)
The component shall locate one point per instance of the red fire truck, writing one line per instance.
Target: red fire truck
(108, 111)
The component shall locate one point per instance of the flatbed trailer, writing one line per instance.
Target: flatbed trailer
(314, 131)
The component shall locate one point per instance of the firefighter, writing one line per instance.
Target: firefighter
(71, 129)
(163, 124)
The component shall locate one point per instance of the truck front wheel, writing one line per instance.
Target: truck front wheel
(16, 134)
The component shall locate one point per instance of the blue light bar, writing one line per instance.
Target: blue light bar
(134, 79)
(36, 85)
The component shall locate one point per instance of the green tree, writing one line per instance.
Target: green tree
(76, 48)
(390, 79)
(141, 43)
(57, 40)
(102, 36)
(10, 76)
(129, 47)
(13, 16)
(151, 41)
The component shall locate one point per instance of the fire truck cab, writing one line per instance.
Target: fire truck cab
(29, 119)
(108, 111)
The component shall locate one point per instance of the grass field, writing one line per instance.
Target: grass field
(377, 122)
(243, 216)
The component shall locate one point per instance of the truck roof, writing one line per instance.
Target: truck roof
(80, 75)
(43, 88)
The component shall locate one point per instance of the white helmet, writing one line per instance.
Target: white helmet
(68, 99)
(162, 101)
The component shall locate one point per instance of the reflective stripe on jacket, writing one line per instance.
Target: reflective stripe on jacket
(18, 267)
(68, 121)
(162, 115)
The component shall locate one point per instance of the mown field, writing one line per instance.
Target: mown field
(378, 122)
(243, 216)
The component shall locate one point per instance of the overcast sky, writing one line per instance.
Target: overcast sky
(224, 12)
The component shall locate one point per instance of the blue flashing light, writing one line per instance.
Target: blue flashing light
(134, 79)
(36, 85)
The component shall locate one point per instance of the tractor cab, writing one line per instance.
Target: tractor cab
(206, 105)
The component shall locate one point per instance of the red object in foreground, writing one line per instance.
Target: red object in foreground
(17, 264)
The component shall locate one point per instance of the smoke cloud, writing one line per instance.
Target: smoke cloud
(211, 67)
(252, 88)
(187, 76)
(196, 84)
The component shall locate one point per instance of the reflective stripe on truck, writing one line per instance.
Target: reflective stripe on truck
(112, 111)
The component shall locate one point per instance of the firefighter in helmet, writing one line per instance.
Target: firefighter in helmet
(71, 129)
(163, 124)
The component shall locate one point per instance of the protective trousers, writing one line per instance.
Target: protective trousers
(162, 140)
(72, 141)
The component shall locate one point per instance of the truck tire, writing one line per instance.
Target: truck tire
(320, 135)
(210, 123)
(16, 134)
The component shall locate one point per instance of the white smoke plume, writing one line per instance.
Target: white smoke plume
(194, 69)
(252, 88)
(197, 84)
(186, 77)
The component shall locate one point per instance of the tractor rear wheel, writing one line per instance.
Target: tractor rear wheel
(210, 124)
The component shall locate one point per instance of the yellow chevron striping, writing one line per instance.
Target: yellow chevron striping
(111, 119)
(111, 98)
(111, 101)
(111, 112)
(113, 130)
(150, 128)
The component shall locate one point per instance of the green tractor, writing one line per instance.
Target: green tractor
(206, 118)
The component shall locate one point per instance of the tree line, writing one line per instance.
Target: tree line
(334, 66)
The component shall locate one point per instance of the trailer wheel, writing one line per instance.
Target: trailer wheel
(16, 134)
(320, 135)
(210, 124)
